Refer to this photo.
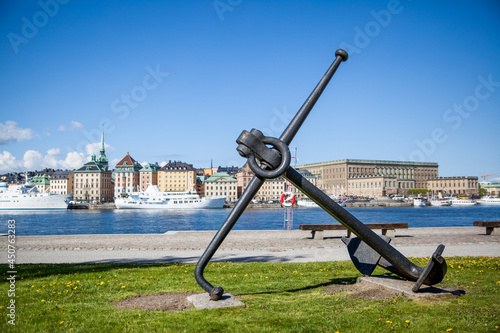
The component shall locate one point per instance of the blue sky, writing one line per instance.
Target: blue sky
(180, 80)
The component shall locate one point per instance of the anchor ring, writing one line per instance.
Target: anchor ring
(281, 169)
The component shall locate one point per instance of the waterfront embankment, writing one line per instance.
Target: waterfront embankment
(353, 204)
(241, 246)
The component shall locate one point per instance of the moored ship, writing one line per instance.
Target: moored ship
(463, 202)
(153, 198)
(489, 200)
(419, 202)
(440, 202)
(27, 196)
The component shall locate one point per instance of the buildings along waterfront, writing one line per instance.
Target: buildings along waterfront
(95, 182)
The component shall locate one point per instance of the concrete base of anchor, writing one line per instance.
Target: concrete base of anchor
(203, 301)
(404, 286)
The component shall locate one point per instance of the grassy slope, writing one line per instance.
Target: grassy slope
(279, 297)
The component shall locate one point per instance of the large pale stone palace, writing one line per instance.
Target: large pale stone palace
(370, 177)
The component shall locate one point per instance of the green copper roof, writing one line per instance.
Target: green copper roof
(40, 180)
(219, 175)
(148, 167)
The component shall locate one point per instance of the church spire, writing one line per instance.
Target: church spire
(102, 142)
(102, 156)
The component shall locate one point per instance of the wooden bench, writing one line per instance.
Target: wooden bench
(317, 229)
(490, 226)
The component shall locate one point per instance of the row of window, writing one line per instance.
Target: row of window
(438, 184)
(216, 187)
(226, 194)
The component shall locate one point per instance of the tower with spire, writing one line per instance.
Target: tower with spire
(102, 159)
(92, 181)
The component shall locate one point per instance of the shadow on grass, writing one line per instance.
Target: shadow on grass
(28, 271)
(337, 281)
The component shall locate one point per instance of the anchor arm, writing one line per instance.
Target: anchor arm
(401, 265)
(245, 199)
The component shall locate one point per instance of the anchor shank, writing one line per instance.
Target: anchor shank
(404, 266)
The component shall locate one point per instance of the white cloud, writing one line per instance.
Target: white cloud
(73, 125)
(114, 162)
(50, 160)
(76, 125)
(53, 158)
(11, 132)
(95, 148)
(32, 160)
(73, 160)
(8, 162)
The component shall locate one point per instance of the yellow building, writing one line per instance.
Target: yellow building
(61, 182)
(177, 176)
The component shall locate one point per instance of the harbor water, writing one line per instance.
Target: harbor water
(74, 222)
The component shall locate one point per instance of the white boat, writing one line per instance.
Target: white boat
(306, 203)
(440, 202)
(419, 202)
(488, 200)
(463, 202)
(27, 196)
(153, 198)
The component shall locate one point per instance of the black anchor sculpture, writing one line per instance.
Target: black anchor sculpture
(367, 250)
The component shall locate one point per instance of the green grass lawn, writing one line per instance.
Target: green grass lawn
(279, 297)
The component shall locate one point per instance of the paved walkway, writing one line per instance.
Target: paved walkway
(241, 246)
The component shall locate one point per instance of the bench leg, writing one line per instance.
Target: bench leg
(317, 234)
(388, 232)
(348, 233)
(490, 231)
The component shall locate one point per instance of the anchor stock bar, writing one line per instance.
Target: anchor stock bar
(301, 115)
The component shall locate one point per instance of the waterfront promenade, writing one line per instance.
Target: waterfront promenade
(239, 246)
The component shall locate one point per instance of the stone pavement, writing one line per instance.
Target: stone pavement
(240, 246)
